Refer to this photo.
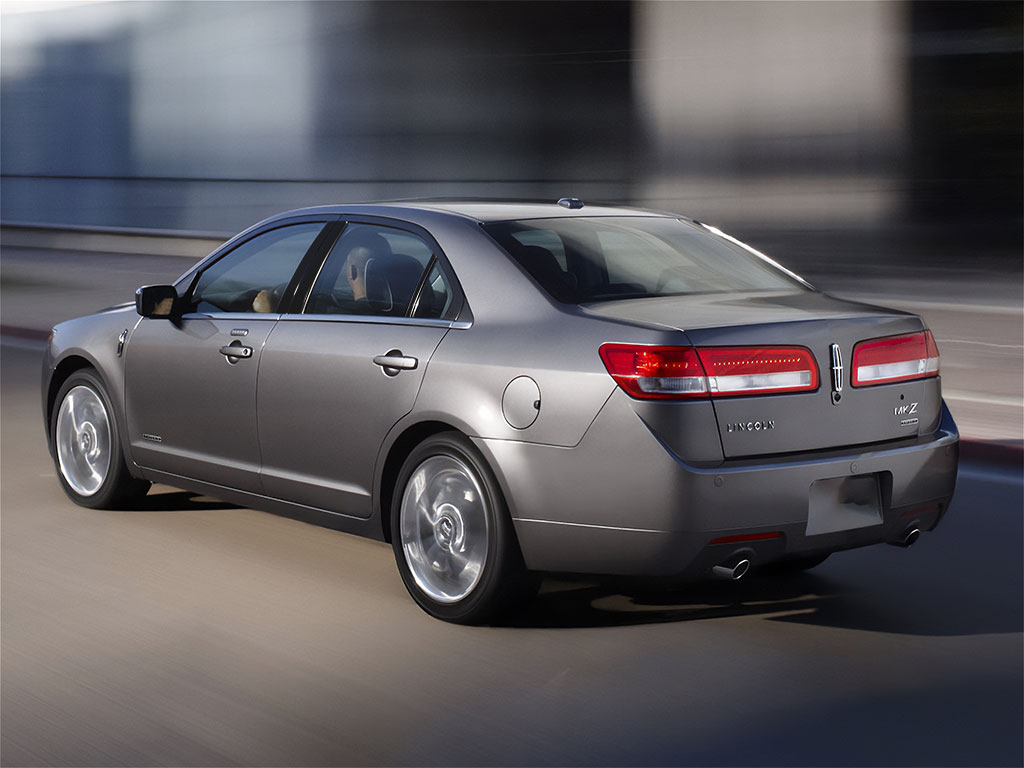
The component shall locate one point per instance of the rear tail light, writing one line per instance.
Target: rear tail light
(655, 373)
(758, 370)
(678, 373)
(895, 358)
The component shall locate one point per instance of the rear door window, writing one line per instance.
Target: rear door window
(372, 270)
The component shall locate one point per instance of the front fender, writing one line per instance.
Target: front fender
(90, 341)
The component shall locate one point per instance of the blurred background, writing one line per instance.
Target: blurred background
(206, 116)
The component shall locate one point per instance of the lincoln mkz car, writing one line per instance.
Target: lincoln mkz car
(506, 389)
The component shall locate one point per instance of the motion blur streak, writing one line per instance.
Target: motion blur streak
(207, 116)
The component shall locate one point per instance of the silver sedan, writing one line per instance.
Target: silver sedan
(506, 389)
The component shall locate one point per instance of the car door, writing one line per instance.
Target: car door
(335, 378)
(190, 383)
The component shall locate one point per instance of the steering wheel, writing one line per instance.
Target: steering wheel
(268, 299)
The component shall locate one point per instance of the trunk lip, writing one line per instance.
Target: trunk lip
(700, 312)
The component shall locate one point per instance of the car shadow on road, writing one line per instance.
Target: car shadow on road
(179, 501)
(805, 598)
(577, 604)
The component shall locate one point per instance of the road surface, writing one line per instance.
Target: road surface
(190, 632)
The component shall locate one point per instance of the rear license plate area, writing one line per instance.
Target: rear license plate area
(843, 504)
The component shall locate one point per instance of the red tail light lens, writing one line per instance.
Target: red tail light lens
(758, 370)
(895, 358)
(655, 373)
(677, 373)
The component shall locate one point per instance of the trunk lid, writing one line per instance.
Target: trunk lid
(759, 425)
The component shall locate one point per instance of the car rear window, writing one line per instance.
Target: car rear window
(581, 260)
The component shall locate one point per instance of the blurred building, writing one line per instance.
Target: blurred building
(207, 116)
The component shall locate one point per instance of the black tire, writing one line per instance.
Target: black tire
(117, 488)
(503, 583)
(795, 565)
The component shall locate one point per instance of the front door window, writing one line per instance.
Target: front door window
(253, 277)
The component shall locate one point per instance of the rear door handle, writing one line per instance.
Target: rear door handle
(236, 350)
(395, 360)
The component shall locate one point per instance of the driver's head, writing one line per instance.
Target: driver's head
(362, 246)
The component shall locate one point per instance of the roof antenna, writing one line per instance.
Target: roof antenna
(571, 202)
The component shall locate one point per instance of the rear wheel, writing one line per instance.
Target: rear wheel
(452, 534)
(87, 446)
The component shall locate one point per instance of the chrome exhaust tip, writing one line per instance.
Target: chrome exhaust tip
(910, 537)
(732, 570)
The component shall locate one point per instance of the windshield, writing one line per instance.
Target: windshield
(579, 260)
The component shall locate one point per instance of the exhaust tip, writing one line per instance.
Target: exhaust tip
(732, 570)
(910, 537)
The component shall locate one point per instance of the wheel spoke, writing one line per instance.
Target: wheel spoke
(82, 440)
(71, 409)
(426, 511)
(443, 525)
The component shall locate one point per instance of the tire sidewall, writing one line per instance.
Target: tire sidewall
(502, 550)
(117, 471)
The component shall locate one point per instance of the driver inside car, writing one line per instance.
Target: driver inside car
(363, 251)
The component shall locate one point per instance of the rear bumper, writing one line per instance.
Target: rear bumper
(621, 503)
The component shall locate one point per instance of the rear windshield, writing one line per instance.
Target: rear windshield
(581, 260)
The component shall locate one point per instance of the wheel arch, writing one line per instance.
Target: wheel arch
(403, 444)
(61, 373)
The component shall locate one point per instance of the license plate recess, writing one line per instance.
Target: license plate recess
(844, 504)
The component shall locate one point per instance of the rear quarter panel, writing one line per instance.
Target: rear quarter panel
(517, 330)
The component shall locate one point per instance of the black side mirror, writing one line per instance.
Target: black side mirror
(156, 301)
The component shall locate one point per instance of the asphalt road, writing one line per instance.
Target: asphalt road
(189, 632)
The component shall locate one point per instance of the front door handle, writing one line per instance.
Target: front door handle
(236, 350)
(394, 361)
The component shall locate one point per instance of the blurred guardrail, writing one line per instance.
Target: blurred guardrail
(151, 242)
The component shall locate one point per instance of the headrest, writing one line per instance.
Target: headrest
(373, 242)
(538, 260)
(546, 270)
(391, 282)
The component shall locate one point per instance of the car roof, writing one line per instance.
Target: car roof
(479, 210)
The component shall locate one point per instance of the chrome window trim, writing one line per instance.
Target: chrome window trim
(291, 317)
(422, 322)
(229, 316)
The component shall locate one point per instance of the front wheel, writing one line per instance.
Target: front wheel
(453, 538)
(87, 446)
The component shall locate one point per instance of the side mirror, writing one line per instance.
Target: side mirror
(156, 301)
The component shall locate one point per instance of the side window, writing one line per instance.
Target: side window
(370, 271)
(253, 277)
(435, 296)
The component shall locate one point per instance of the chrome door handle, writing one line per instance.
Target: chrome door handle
(236, 350)
(396, 361)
